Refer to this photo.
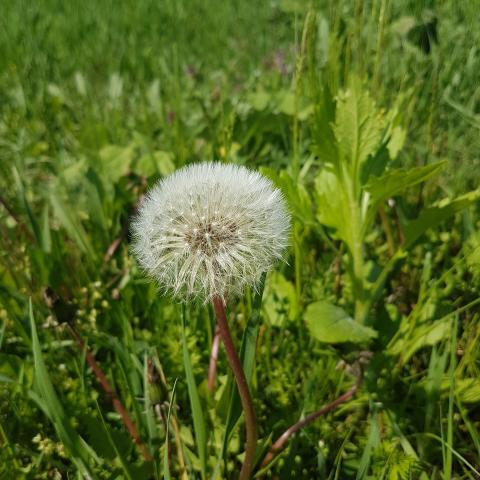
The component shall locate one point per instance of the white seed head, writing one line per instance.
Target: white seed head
(210, 229)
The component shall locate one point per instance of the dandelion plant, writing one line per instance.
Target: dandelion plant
(206, 232)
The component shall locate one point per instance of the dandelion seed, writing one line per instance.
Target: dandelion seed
(235, 230)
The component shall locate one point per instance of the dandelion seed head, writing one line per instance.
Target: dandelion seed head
(210, 229)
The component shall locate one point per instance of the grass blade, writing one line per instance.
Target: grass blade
(121, 460)
(372, 443)
(199, 425)
(54, 410)
(447, 469)
(166, 467)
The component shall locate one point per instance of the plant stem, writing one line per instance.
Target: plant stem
(356, 245)
(244, 392)
(212, 368)
(282, 439)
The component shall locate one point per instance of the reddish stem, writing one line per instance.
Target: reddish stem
(127, 421)
(282, 439)
(244, 392)
(212, 368)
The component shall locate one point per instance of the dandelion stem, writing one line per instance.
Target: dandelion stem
(212, 368)
(244, 392)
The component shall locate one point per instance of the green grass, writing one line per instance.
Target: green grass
(100, 99)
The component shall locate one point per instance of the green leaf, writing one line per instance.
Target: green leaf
(94, 195)
(396, 181)
(155, 163)
(466, 389)
(285, 103)
(396, 142)
(331, 324)
(280, 304)
(295, 192)
(325, 144)
(332, 210)
(259, 100)
(375, 165)
(358, 127)
(423, 336)
(433, 216)
(372, 444)
(196, 406)
(116, 161)
(120, 456)
(49, 402)
(149, 412)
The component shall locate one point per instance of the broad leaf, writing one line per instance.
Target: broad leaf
(333, 207)
(358, 127)
(259, 100)
(280, 304)
(325, 145)
(331, 324)
(115, 161)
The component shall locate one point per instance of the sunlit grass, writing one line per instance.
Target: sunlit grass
(100, 99)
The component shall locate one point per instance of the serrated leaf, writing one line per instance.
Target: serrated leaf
(433, 216)
(358, 127)
(331, 324)
(396, 181)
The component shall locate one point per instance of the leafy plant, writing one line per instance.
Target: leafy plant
(354, 182)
